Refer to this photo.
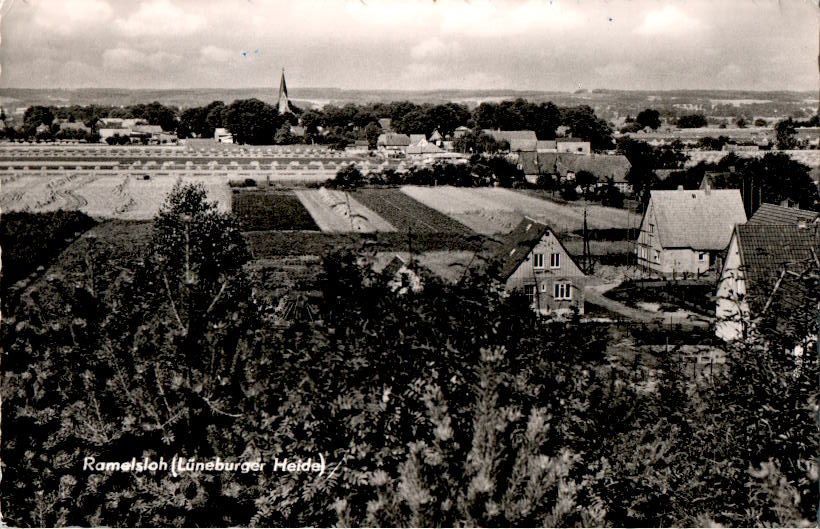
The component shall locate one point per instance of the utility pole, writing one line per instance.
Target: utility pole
(586, 243)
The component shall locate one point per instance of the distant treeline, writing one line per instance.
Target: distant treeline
(253, 121)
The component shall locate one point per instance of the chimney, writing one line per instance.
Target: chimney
(680, 188)
(707, 190)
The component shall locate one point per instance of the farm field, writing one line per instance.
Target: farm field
(480, 214)
(107, 195)
(407, 214)
(270, 210)
(497, 210)
(338, 212)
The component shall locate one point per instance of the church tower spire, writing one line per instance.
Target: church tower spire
(282, 102)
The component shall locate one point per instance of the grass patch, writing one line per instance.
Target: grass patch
(266, 244)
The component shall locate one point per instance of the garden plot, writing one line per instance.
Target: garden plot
(339, 212)
(270, 210)
(481, 214)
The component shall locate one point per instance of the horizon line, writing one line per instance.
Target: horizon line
(421, 90)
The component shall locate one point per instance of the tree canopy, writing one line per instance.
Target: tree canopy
(252, 121)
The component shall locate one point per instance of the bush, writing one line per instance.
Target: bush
(569, 191)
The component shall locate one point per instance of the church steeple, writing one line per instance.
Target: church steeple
(283, 103)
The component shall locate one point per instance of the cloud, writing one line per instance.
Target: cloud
(428, 48)
(503, 19)
(127, 59)
(211, 53)
(668, 21)
(70, 16)
(160, 18)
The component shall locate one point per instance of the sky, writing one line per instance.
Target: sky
(560, 45)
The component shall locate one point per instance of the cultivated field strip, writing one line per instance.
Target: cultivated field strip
(448, 199)
(561, 217)
(407, 214)
(107, 194)
(339, 212)
(481, 214)
(496, 210)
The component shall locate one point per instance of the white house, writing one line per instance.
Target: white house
(764, 279)
(222, 135)
(685, 231)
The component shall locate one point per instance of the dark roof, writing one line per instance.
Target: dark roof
(603, 166)
(767, 251)
(773, 214)
(522, 145)
(519, 243)
(394, 140)
(711, 177)
(570, 139)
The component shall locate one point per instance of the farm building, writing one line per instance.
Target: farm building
(574, 145)
(535, 262)
(687, 231)
(393, 142)
(766, 278)
(546, 146)
(566, 165)
(528, 145)
(517, 139)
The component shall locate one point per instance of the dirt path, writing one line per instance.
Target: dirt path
(595, 294)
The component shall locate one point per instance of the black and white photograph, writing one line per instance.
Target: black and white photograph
(409, 263)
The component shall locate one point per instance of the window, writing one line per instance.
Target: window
(651, 228)
(543, 287)
(702, 257)
(538, 260)
(555, 260)
(562, 291)
(657, 256)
